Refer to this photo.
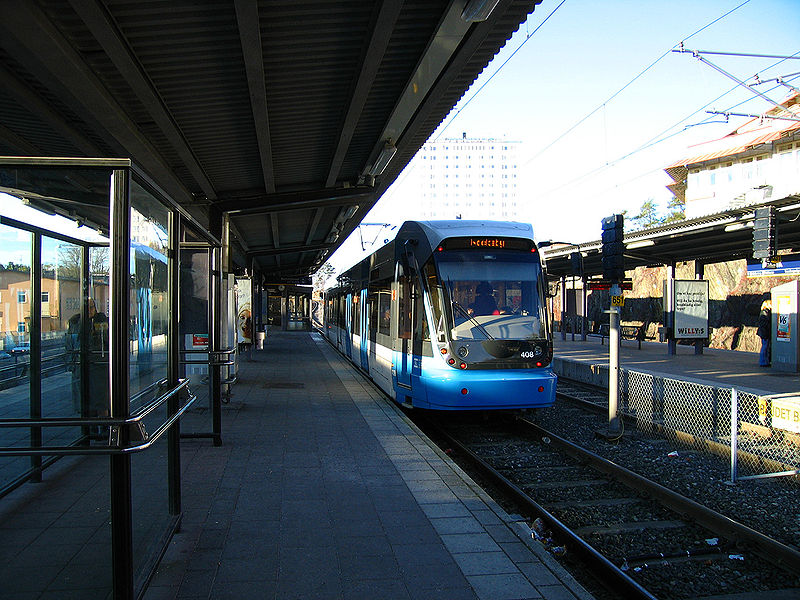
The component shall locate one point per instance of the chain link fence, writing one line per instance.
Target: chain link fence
(700, 416)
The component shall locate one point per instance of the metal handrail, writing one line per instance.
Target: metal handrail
(100, 450)
(226, 351)
(140, 414)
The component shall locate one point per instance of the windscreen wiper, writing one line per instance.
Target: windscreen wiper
(465, 312)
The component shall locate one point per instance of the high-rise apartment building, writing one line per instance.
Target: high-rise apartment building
(469, 178)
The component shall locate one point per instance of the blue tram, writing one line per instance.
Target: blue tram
(451, 315)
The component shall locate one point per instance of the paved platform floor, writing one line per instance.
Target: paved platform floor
(323, 489)
(721, 367)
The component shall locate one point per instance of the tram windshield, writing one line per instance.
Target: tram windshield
(487, 295)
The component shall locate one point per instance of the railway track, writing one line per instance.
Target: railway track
(640, 539)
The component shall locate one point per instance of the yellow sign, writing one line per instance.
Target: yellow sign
(617, 300)
(786, 413)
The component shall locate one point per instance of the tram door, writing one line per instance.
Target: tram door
(348, 320)
(404, 343)
(363, 317)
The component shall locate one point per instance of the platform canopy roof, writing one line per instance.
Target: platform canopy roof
(272, 112)
(714, 238)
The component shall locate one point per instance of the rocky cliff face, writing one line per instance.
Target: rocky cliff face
(734, 302)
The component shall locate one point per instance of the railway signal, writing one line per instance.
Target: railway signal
(576, 262)
(764, 234)
(613, 249)
(614, 271)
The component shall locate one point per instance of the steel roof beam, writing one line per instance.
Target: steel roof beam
(312, 227)
(28, 36)
(252, 49)
(294, 201)
(384, 23)
(273, 221)
(271, 251)
(34, 103)
(96, 18)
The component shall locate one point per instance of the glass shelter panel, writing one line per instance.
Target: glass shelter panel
(15, 320)
(149, 307)
(148, 343)
(50, 218)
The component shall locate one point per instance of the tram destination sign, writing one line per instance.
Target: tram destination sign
(486, 243)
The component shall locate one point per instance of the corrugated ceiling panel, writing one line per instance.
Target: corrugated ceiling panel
(313, 55)
(192, 54)
(415, 25)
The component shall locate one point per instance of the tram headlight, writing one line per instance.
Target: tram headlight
(463, 351)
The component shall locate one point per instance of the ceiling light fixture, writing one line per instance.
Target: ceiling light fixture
(641, 244)
(386, 155)
(478, 10)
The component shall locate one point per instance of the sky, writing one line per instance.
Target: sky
(601, 105)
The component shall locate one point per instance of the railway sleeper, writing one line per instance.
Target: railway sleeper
(565, 504)
(555, 485)
(618, 528)
(684, 557)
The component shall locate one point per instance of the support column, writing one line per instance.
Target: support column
(613, 364)
(216, 316)
(584, 308)
(35, 354)
(699, 273)
(669, 317)
(119, 311)
(563, 306)
(173, 363)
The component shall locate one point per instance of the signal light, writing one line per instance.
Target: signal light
(451, 361)
(463, 366)
(764, 246)
(443, 351)
(541, 388)
(464, 391)
(613, 248)
(539, 364)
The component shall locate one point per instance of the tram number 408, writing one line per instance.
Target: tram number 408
(617, 300)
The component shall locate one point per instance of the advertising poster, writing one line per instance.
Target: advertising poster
(691, 309)
(783, 309)
(244, 322)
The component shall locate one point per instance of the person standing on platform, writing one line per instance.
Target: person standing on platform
(94, 334)
(765, 331)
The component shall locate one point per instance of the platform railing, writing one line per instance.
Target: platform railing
(216, 360)
(138, 437)
(731, 422)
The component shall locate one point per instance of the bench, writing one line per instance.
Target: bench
(626, 332)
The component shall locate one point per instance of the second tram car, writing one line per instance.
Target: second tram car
(451, 315)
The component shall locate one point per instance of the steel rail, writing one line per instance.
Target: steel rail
(772, 550)
(606, 571)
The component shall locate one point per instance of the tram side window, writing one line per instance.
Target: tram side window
(384, 310)
(404, 308)
(356, 328)
(341, 311)
(373, 313)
